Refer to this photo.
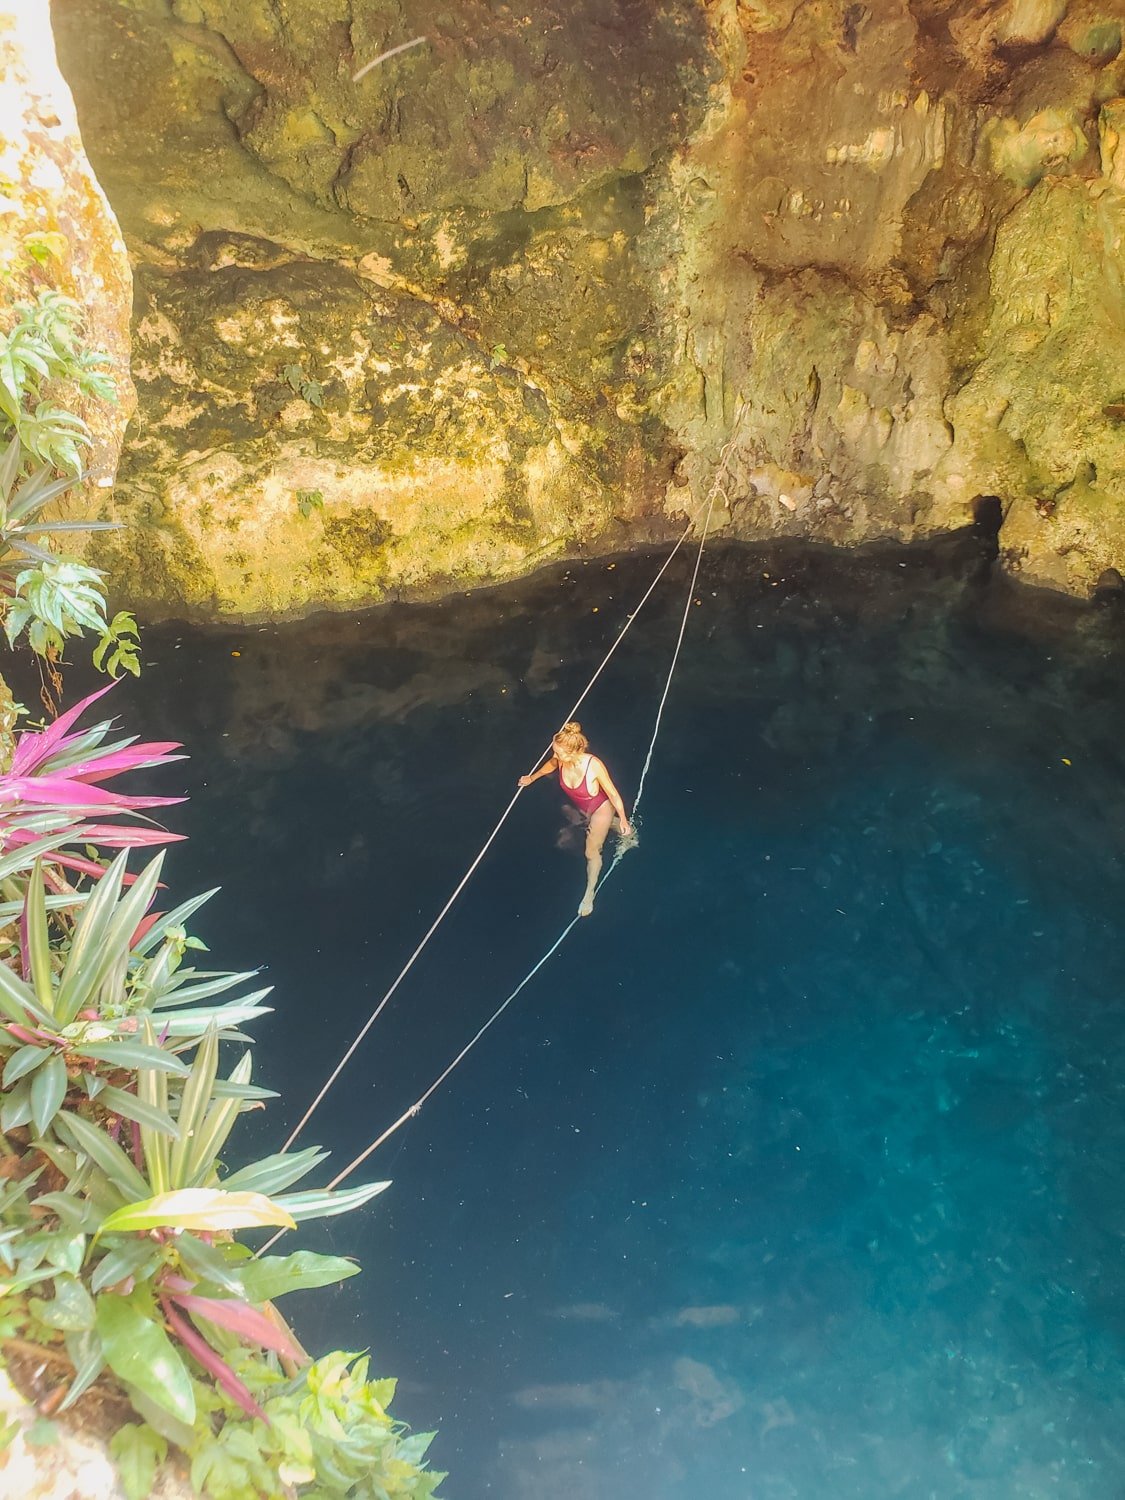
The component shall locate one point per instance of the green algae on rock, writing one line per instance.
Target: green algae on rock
(530, 269)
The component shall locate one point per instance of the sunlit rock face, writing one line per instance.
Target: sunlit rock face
(906, 257)
(507, 295)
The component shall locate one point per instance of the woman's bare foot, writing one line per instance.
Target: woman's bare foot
(587, 906)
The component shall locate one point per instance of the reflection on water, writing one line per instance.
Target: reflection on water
(798, 1173)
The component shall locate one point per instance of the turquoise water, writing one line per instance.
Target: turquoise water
(798, 1172)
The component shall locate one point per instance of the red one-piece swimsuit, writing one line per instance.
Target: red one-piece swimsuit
(585, 801)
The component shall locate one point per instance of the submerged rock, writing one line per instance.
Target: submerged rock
(503, 297)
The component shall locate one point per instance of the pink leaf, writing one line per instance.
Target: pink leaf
(123, 838)
(133, 759)
(90, 867)
(15, 836)
(84, 866)
(33, 749)
(143, 926)
(21, 1034)
(65, 791)
(249, 1323)
(216, 1366)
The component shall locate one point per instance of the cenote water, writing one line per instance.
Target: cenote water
(798, 1171)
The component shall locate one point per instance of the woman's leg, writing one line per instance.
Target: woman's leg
(596, 832)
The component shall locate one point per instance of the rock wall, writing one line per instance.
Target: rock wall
(505, 295)
(906, 258)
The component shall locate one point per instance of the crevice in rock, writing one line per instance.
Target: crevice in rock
(988, 519)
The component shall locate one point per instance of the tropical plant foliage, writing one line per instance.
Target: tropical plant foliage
(46, 593)
(118, 1211)
(119, 1261)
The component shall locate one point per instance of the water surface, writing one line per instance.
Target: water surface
(798, 1172)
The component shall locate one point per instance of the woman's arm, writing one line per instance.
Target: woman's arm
(546, 769)
(603, 779)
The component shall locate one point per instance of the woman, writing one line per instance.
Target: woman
(585, 780)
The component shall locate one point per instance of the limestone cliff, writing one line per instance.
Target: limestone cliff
(501, 296)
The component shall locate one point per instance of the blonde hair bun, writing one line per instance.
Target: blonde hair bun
(570, 739)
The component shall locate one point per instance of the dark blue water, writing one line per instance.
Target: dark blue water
(798, 1173)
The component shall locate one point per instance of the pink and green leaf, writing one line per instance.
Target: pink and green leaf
(213, 1363)
(249, 1323)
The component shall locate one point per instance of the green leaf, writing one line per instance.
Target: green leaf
(325, 1203)
(192, 1023)
(17, 1000)
(66, 1251)
(132, 1056)
(210, 1263)
(152, 1091)
(139, 1352)
(210, 1209)
(10, 909)
(38, 942)
(273, 1174)
(104, 1153)
(121, 1102)
(138, 1452)
(24, 1060)
(174, 918)
(89, 937)
(246, 1092)
(162, 1421)
(194, 1101)
(15, 1107)
(61, 1157)
(274, 1275)
(77, 1214)
(85, 1350)
(211, 1135)
(181, 992)
(71, 1311)
(131, 1257)
(82, 981)
(48, 1090)
(23, 858)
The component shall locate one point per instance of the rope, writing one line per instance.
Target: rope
(463, 882)
(464, 1052)
(716, 490)
(415, 1108)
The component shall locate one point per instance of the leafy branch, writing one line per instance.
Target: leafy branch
(58, 598)
(309, 390)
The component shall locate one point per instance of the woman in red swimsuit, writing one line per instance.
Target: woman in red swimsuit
(585, 780)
